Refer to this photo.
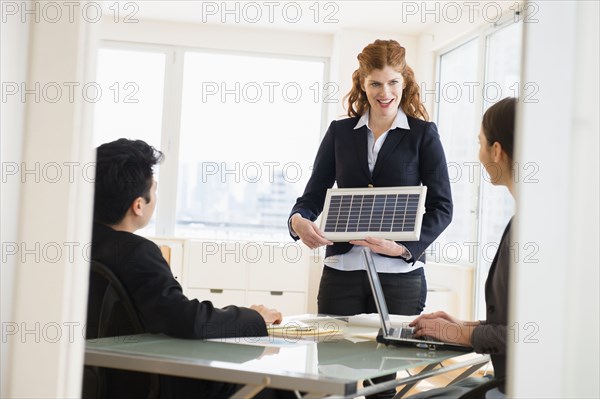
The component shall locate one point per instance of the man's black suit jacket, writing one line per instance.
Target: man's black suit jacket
(158, 297)
(407, 158)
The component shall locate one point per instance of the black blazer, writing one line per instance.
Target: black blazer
(407, 158)
(158, 297)
(490, 336)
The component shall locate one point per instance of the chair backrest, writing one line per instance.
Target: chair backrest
(110, 310)
(112, 313)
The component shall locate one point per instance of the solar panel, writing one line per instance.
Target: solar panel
(393, 213)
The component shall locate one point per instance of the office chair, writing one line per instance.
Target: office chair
(480, 391)
(111, 313)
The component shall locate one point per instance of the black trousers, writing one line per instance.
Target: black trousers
(346, 293)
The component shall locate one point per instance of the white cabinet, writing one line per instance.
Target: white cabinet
(216, 266)
(247, 273)
(284, 268)
(279, 278)
(288, 303)
(219, 297)
(286, 277)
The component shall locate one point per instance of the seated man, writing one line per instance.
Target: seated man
(124, 201)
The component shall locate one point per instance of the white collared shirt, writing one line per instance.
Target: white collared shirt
(352, 260)
(373, 147)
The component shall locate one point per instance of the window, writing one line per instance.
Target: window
(502, 69)
(129, 103)
(481, 210)
(249, 130)
(247, 125)
(455, 119)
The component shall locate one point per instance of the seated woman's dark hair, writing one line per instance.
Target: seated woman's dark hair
(498, 124)
(123, 173)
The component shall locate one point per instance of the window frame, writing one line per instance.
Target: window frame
(172, 107)
(482, 35)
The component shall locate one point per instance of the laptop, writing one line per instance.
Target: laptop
(399, 335)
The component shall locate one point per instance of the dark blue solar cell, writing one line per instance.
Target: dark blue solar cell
(372, 213)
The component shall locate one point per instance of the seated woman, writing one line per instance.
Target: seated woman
(489, 335)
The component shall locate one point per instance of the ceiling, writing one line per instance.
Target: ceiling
(306, 16)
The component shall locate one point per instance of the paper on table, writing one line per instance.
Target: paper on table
(296, 329)
(295, 325)
(361, 337)
(312, 318)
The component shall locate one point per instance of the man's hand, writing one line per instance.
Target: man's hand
(271, 316)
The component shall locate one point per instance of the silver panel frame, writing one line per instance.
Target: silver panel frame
(413, 235)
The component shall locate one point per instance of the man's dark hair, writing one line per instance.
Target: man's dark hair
(123, 173)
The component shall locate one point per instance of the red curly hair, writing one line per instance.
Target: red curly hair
(378, 55)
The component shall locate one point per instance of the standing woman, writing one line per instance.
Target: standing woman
(385, 142)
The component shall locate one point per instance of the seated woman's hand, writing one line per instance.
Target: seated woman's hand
(438, 315)
(443, 327)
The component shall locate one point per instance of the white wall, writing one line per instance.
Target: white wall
(349, 43)
(13, 69)
(44, 330)
(582, 346)
(340, 48)
(554, 345)
(217, 37)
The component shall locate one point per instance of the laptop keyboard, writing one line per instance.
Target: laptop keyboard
(408, 333)
(404, 332)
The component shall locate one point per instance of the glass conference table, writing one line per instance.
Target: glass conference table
(330, 361)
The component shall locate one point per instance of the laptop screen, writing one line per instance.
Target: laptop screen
(385, 316)
(377, 291)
